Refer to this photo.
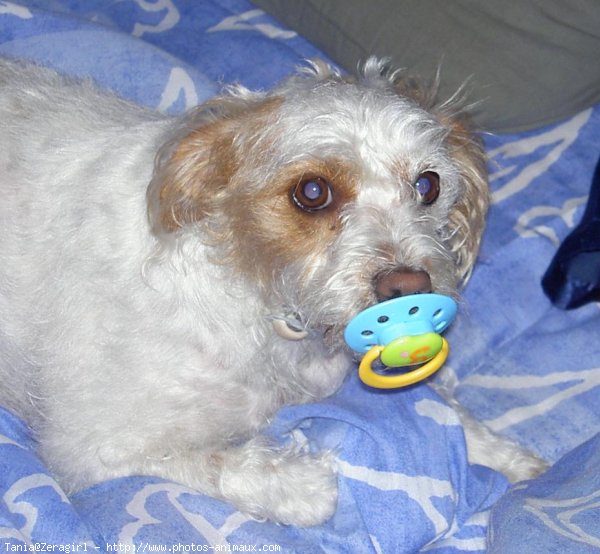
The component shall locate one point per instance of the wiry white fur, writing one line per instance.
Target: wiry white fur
(133, 350)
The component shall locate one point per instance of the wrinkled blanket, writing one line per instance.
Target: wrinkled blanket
(527, 369)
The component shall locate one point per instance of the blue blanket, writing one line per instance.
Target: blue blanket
(528, 369)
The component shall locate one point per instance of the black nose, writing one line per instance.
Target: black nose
(401, 282)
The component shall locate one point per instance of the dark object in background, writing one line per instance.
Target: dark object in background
(573, 278)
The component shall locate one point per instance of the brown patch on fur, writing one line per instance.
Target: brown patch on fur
(194, 171)
(270, 231)
(224, 176)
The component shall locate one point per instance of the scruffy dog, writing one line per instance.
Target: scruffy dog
(168, 283)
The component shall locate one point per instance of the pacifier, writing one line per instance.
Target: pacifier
(401, 332)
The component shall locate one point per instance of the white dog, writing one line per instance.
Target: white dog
(168, 283)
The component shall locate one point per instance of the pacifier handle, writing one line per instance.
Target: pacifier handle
(370, 377)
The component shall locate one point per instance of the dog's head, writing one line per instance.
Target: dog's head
(328, 194)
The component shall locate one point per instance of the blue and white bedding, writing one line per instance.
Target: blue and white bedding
(528, 369)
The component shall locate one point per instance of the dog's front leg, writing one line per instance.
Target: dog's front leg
(487, 448)
(286, 485)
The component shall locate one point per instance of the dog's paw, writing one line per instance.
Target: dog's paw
(306, 490)
(285, 486)
(485, 447)
(523, 465)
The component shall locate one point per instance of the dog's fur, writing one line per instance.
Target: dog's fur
(147, 261)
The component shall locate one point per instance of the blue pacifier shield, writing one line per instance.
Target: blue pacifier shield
(412, 315)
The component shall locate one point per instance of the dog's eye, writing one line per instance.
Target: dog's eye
(312, 194)
(428, 187)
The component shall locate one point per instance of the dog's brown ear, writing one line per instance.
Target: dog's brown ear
(193, 170)
(467, 219)
(190, 170)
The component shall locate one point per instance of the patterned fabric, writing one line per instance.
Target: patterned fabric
(527, 369)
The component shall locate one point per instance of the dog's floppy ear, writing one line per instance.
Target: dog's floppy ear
(190, 170)
(193, 169)
(467, 218)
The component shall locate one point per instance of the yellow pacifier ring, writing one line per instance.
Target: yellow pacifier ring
(369, 377)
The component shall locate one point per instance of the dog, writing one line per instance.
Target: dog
(168, 283)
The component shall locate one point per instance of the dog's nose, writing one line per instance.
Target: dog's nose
(401, 282)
